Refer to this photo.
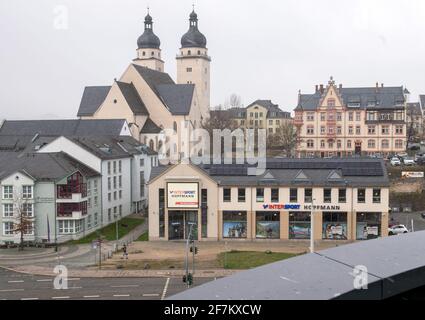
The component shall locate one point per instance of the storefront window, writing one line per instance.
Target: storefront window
(308, 195)
(267, 225)
(334, 225)
(260, 194)
(275, 195)
(241, 194)
(299, 225)
(234, 224)
(368, 225)
(293, 195)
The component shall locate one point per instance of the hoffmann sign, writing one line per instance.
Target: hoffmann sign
(300, 207)
(182, 195)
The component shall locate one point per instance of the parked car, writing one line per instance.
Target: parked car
(422, 143)
(420, 161)
(419, 155)
(397, 229)
(415, 147)
(395, 161)
(423, 215)
(408, 161)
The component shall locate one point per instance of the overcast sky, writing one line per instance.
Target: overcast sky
(260, 49)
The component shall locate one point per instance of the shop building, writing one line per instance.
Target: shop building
(348, 199)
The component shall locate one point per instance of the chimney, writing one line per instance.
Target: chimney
(340, 86)
(321, 88)
(377, 87)
(317, 88)
(382, 85)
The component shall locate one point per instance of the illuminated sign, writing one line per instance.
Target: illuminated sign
(182, 195)
(276, 206)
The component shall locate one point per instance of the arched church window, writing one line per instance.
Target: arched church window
(152, 54)
(199, 52)
(151, 144)
(159, 145)
(175, 126)
(189, 52)
(143, 53)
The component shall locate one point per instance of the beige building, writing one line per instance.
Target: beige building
(348, 199)
(415, 119)
(147, 97)
(261, 114)
(338, 121)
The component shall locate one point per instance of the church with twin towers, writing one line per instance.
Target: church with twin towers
(147, 97)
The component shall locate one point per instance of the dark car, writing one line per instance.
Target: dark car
(420, 161)
(423, 215)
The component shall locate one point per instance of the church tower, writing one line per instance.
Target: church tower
(148, 51)
(193, 63)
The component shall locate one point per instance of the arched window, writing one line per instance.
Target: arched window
(189, 52)
(151, 144)
(199, 52)
(159, 145)
(175, 126)
(371, 144)
(322, 143)
(143, 53)
(152, 54)
(310, 144)
(399, 144)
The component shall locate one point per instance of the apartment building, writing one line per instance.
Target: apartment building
(347, 198)
(339, 121)
(41, 191)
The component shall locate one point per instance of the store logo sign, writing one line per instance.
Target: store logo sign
(281, 206)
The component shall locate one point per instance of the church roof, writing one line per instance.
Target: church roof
(193, 37)
(150, 127)
(148, 39)
(92, 98)
(132, 97)
(177, 97)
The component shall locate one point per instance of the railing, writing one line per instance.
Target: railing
(66, 209)
(66, 191)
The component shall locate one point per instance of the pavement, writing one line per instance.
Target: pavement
(18, 286)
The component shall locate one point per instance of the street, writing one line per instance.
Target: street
(17, 286)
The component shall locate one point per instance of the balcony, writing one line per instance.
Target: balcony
(73, 192)
(71, 210)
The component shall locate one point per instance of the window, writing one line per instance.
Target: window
(142, 162)
(26, 192)
(385, 129)
(227, 195)
(109, 183)
(260, 195)
(361, 195)
(95, 219)
(371, 144)
(399, 144)
(120, 194)
(371, 129)
(327, 195)
(109, 214)
(322, 143)
(322, 130)
(322, 116)
(277, 122)
(66, 226)
(120, 166)
(270, 130)
(241, 194)
(120, 181)
(115, 166)
(350, 130)
(7, 192)
(357, 130)
(310, 116)
(142, 183)
(399, 129)
(299, 225)
(115, 182)
(109, 167)
(338, 130)
(234, 224)
(310, 144)
(115, 195)
(95, 201)
(350, 116)
(342, 195)
(204, 213)
(357, 116)
(120, 210)
(376, 195)
(308, 195)
(385, 144)
(89, 202)
(330, 144)
(267, 225)
(339, 116)
(275, 195)
(348, 143)
(334, 225)
(8, 210)
(188, 69)
(293, 195)
(8, 228)
(109, 196)
(339, 144)
(331, 103)
(89, 222)
(310, 130)
(95, 186)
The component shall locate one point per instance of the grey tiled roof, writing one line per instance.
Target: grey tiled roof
(42, 166)
(383, 97)
(273, 110)
(153, 78)
(111, 127)
(150, 127)
(92, 98)
(364, 172)
(177, 97)
(133, 99)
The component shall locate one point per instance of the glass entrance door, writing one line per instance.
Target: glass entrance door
(179, 222)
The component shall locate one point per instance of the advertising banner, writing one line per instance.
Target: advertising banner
(412, 174)
(182, 195)
(268, 229)
(234, 229)
(335, 231)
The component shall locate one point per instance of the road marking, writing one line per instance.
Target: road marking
(151, 294)
(121, 295)
(126, 286)
(11, 290)
(16, 281)
(73, 279)
(75, 287)
(44, 280)
(29, 298)
(94, 296)
(65, 297)
(164, 292)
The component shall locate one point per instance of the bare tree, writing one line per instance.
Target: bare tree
(234, 101)
(285, 137)
(23, 219)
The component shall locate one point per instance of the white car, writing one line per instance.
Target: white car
(395, 161)
(397, 229)
(408, 161)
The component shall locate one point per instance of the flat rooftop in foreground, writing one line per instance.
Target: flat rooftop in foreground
(394, 265)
